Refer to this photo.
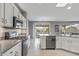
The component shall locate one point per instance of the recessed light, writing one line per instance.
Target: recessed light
(61, 4)
(69, 8)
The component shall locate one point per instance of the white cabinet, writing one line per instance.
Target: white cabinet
(16, 12)
(58, 42)
(66, 43)
(75, 45)
(1, 10)
(8, 15)
(1, 13)
(14, 51)
(43, 42)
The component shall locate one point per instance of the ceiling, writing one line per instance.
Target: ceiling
(49, 12)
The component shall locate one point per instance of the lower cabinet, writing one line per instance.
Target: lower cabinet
(14, 51)
(43, 42)
(68, 43)
(58, 42)
(75, 45)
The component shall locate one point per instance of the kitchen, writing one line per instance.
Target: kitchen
(39, 29)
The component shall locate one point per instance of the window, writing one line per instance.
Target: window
(42, 29)
(70, 30)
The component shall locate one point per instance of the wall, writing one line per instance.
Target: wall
(52, 26)
(31, 29)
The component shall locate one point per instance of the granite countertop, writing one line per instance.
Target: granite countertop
(7, 44)
(17, 38)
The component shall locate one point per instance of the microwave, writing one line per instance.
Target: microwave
(17, 23)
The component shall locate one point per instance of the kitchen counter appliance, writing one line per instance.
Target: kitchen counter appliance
(17, 23)
(50, 42)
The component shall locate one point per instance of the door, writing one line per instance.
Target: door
(50, 42)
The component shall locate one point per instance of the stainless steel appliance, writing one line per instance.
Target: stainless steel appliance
(50, 42)
(17, 23)
(11, 34)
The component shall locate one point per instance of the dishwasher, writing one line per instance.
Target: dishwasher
(50, 42)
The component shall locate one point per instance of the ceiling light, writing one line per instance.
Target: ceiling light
(61, 4)
(69, 8)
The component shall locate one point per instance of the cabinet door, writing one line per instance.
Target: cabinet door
(16, 12)
(75, 45)
(8, 15)
(1, 10)
(43, 42)
(58, 42)
(17, 49)
(1, 14)
(14, 51)
(64, 43)
(69, 44)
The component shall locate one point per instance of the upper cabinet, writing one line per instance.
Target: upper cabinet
(1, 13)
(1, 10)
(7, 11)
(16, 12)
(8, 15)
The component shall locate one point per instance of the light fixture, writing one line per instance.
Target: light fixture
(61, 4)
(68, 8)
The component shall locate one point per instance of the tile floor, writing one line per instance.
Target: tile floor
(35, 50)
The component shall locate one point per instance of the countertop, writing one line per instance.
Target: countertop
(69, 36)
(7, 44)
(60, 36)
